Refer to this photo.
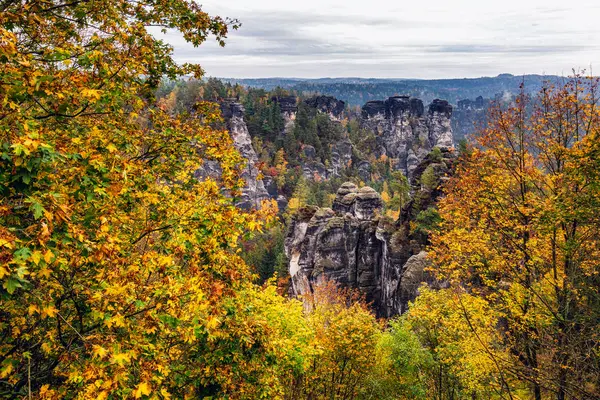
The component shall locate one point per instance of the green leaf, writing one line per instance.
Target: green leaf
(11, 284)
(37, 209)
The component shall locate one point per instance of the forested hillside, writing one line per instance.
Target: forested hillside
(357, 91)
(166, 236)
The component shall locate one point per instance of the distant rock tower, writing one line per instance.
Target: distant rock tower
(405, 133)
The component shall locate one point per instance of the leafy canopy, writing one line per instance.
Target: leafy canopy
(120, 271)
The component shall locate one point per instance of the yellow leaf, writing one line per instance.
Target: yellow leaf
(36, 257)
(142, 389)
(6, 370)
(212, 323)
(50, 311)
(45, 231)
(33, 309)
(99, 351)
(46, 348)
(91, 94)
(48, 256)
(121, 358)
(45, 272)
(116, 320)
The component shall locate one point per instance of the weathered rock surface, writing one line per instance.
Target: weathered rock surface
(438, 124)
(254, 192)
(341, 157)
(341, 245)
(352, 245)
(312, 167)
(405, 132)
(328, 105)
(341, 151)
(289, 109)
(413, 275)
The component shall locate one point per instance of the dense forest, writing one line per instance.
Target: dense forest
(130, 269)
(357, 91)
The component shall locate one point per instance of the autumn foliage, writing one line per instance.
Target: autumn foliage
(120, 273)
(520, 231)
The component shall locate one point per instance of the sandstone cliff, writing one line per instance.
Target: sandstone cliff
(254, 191)
(328, 105)
(287, 105)
(405, 132)
(341, 150)
(352, 245)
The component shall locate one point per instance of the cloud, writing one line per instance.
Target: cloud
(302, 18)
(504, 49)
(316, 38)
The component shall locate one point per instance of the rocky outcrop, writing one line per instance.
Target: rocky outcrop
(413, 275)
(254, 192)
(341, 151)
(289, 108)
(312, 167)
(405, 132)
(354, 246)
(328, 105)
(438, 124)
(341, 157)
(337, 244)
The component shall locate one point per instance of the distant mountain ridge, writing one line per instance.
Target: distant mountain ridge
(357, 91)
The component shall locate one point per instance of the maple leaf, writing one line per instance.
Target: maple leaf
(121, 358)
(99, 351)
(36, 256)
(143, 389)
(49, 311)
(6, 370)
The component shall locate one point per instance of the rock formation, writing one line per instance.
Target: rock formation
(337, 244)
(354, 246)
(329, 105)
(288, 107)
(254, 192)
(341, 157)
(341, 151)
(312, 167)
(405, 133)
(438, 124)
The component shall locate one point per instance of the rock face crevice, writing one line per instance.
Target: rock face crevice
(354, 246)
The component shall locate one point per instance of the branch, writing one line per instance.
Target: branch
(162, 228)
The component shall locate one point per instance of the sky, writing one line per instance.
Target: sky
(399, 38)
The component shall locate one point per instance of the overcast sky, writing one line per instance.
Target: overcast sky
(400, 38)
